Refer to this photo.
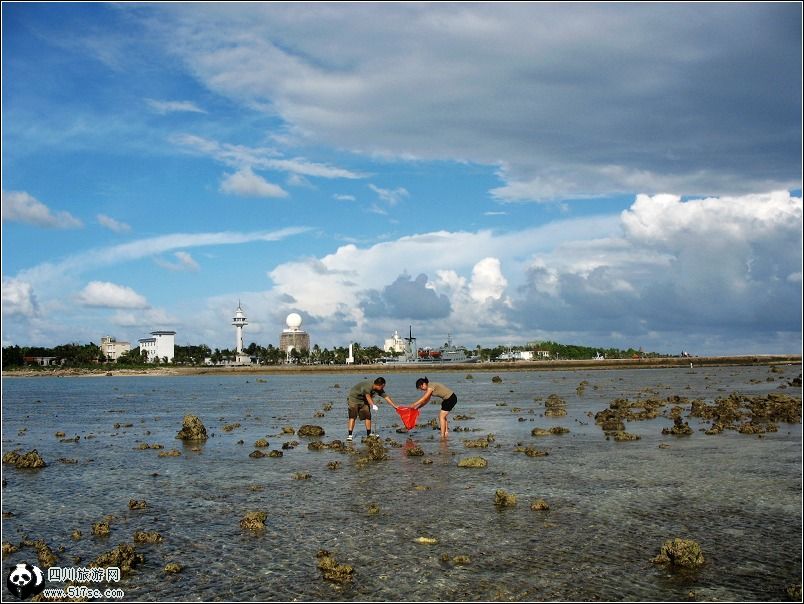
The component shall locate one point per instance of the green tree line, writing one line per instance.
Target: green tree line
(82, 355)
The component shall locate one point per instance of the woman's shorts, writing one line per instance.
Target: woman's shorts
(362, 411)
(448, 403)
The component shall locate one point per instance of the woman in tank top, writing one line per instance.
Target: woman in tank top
(447, 396)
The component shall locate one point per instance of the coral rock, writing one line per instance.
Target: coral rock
(473, 462)
(504, 499)
(680, 552)
(192, 429)
(254, 521)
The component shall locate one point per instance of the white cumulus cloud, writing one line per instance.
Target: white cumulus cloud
(110, 295)
(247, 184)
(685, 271)
(487, 280)
(19, 206)
(18, 297)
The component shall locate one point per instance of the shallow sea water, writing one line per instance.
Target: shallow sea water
(612, 505)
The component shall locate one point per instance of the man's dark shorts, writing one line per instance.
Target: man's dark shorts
(360, 411)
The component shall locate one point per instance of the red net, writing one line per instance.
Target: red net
(409, 416)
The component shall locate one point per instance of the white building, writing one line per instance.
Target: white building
(160, 346)
(518, 355)
(395, 345)
(112, 349)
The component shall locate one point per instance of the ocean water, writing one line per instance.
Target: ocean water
(612, 505)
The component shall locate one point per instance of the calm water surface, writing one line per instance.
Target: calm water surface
(612, 505)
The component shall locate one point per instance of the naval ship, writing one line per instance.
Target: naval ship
(448, 353)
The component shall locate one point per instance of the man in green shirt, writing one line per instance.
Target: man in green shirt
(361, 402)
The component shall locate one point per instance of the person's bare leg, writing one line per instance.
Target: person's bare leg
(442, 423)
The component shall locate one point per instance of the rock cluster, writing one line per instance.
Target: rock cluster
(555, 406)
(549, 432)
(254, 521)
(375, 451)
(678, 552)
(625, 436)
(101, 528)
(749, 414)
(44, 554)
(473, 462)
(147, 537)
(504, 499)
(531, 451)
(680, 428)
(124, 557)
(31, 459)
(309, 430)
(192, 429)
(331, 570)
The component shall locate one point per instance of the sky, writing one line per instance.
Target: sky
(610, 175)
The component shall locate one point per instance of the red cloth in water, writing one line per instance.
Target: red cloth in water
(409, 416)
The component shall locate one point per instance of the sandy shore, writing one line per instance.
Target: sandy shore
(418, 367)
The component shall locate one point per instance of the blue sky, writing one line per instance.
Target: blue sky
(615, 175)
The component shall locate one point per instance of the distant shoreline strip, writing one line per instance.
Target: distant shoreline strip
(585, 364)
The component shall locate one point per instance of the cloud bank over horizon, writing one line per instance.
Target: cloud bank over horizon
(668, 273)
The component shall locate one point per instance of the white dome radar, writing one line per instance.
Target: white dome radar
(294, 320)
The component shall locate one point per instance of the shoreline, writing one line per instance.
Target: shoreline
(585, 364)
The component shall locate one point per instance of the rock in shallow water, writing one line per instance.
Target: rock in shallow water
(192, 429)
(473, 462)
(254, 521)
(684, 553)
(504, 499)
(148, 537)
(331, 570)
(124, 557)
(31, 459)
